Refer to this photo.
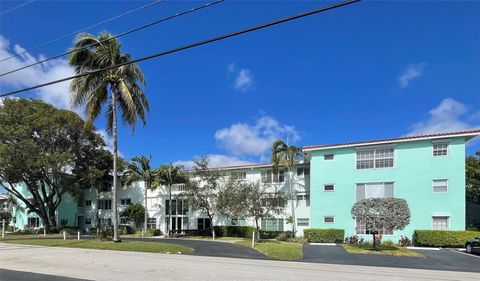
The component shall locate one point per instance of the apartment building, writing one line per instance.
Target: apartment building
(428, 171)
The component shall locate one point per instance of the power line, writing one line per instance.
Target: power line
(192, 45)
(116, 36)
(16, 7)
(83, 29)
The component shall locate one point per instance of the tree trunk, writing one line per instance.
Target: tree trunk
(169, 209)
(116, 238)
(257, 229)
(374, 242)
(145, 222)
(293, 197)
(212, 226)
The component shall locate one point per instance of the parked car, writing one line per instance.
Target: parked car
(473, 245)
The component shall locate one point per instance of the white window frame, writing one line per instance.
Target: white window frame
(440, 142)
(383, 231)
(441, 216)
(329, 154)
(438, 180)
(334, 220)
(328, 184)
(375, 155)
(303, 172)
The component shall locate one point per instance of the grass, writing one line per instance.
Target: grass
(32, 236)
(384, 250)
(134, 246)
(276, 249)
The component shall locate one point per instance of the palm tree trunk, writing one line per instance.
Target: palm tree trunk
(169, 209)
(116, 238)
(293, 197)
(147, 186)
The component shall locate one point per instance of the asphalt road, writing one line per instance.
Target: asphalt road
(436, 260)
(13, 275)
(116, 265)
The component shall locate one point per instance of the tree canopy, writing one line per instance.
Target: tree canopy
(134, 212)
(379, 214)
(46, 150)
(472, 169)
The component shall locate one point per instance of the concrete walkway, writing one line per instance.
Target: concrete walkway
(115, 265)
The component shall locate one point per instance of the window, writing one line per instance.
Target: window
(328, 157)
(238, 222)
(238, 175)
(123, 220)
(152, 223)
(88, 221)
(105, 204)
(375, 158)
(267, 176)
(33, 222)
(328, 187)
(303, 222)
(303, 171)
(203, 223)
(440, 149)
(329, 219)
(272, 224)
(361, 229)
(303, 197)
(375, 190)
(88, 203)
(178, 207)
(125, 201)
(440, 223)
(440, 185)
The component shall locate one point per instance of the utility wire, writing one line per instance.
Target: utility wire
(192, 45)
(116, 36)
(16, 7)
(85, 28)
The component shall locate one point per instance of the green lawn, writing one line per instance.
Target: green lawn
(384, 250)
(135, 246)
(276, 249)
(32, 236)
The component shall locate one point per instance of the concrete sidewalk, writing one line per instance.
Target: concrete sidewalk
(115, 265)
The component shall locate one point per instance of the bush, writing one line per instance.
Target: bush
(443, 238)
(105, 234)
(223, 231)
(404, 241)
(274, 234)
(317, 235)
(126, 229)
(388, 243)
(283, 236)
(299, 240)
(355, 239)
(153, 232)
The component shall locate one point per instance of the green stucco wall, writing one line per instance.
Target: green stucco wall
(414, 170)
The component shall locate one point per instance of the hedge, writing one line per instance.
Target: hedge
(274, 234)
(443, 238)
(317, 235)
(223, 231)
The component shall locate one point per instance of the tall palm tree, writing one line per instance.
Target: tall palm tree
(168, 175)
(139, 170)
(287, 156)
(117, 88)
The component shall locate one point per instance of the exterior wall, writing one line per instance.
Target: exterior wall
(414, 170)
(65, 211)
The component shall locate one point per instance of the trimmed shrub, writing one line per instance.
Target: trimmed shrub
(317, 235)
(153, 232)
(443, 238)
(126, 229)
(355, 239)
(274, 234)
(105, 234)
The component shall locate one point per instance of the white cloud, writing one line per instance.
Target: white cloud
(245, 139)
(411, 72)
(243, 78)
(217, 160)
(449, 116)
(108, 141)
(57, 94)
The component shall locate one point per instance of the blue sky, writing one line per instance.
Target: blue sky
(366, 71)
